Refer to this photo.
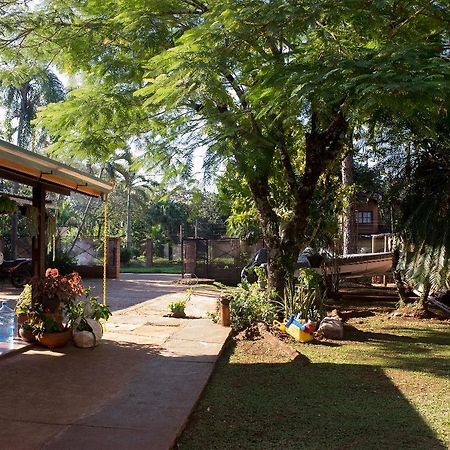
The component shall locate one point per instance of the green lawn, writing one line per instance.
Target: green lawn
(164, 268)
(387, 386)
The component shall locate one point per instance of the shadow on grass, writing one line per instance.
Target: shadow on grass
(316, 406)
(417, 352)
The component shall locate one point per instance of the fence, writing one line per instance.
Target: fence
(219, 259)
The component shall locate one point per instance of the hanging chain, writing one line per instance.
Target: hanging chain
(105, 248)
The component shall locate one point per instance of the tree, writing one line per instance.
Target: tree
(425, 213)
(276, 97)
(270, 86)
(21, 101)
(124, 166)
(349, 220)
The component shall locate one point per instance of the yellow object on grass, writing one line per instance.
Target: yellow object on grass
(294, 331)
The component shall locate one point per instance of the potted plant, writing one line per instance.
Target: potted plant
(7, 205)
(177, 309)
(84, 317)
(49, 297)
(23, 305)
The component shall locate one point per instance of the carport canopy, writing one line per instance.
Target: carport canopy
(44, 174)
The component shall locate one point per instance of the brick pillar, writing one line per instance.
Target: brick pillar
(113, 258)
(190, 256)
(149, 253)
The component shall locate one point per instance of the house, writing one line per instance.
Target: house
(371, 230)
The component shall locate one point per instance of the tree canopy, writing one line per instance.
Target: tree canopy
(270, 87)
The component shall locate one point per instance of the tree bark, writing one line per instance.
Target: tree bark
(349, 238)
(285, 240)
(401, 289)
(129, 220)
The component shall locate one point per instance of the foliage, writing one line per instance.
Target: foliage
(54, 290)
(250, 304)
(25, 87)
(309, 278)
(177, 307)
(63, 262)
(24, 301)
(425, 213)
(88, 307)
(309, 303)
(125, 255)
(269, 87)
(7, 205)
(305, 298)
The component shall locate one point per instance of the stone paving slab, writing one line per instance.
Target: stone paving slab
(149, 414)
(21, 435)
(134, 391)
(15, 346)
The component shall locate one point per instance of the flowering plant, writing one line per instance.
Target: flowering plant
(53, 291)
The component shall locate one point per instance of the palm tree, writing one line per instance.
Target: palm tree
(124, 168)
(21, 103)
(425, 214)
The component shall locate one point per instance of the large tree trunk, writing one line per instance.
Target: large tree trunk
(129, 220)
(286, 240)
(349, 238)
(397, 275)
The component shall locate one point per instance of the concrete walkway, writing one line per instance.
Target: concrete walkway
(134, 391)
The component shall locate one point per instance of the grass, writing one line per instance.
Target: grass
(386, 386)
(168, 268)
(160, 265)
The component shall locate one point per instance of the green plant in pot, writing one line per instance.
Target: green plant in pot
(177, 309)
(50, 296)
(7, 205)
(85, 317)
(23, 305)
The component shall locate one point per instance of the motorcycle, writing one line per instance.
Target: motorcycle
(18, 271)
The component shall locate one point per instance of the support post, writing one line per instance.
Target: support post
(39, 241)
(225, 319)
(149, 252)
(113, 258)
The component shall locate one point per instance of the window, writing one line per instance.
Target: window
(365, 217)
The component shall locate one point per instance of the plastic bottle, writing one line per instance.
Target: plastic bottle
(7, 323)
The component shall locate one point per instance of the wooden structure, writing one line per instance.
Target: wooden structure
(45, 175)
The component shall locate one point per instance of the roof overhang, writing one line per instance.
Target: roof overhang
(32, 169)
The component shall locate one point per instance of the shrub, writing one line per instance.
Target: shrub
(177, 308)
(306, 298)
(64, 262)
(249, 305)
(125, 255)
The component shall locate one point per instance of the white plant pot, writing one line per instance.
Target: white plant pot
(88, 339)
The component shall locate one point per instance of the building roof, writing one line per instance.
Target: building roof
(31, 168)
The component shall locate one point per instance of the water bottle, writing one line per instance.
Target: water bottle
(7, 323)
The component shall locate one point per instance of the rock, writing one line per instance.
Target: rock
(331, 327)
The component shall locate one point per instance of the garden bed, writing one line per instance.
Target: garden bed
(386, 385)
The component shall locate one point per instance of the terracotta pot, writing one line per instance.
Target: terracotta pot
(22, 318)
(55, 340)
(27, 335)
(55, 316)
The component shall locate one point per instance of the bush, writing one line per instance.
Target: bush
(125, 255)
(64, 262)
(249, 305)
(306, 298)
